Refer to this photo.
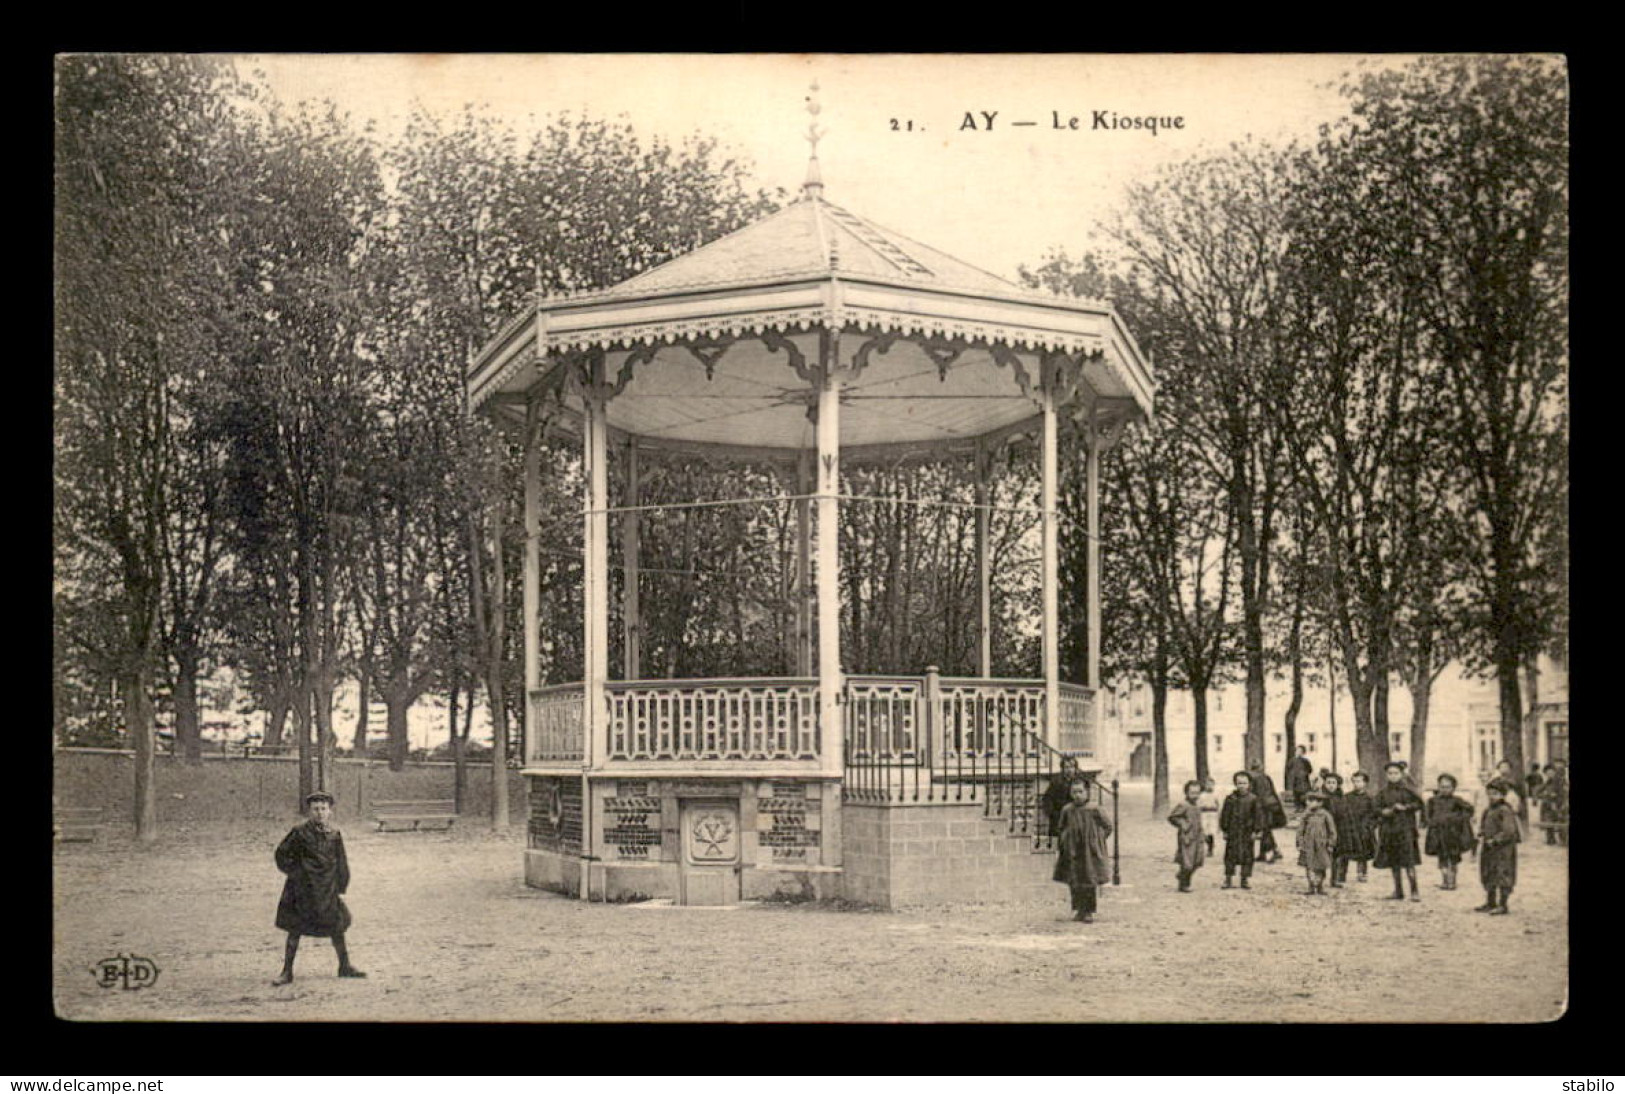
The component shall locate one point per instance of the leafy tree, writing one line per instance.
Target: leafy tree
(137, 145)
(1207, 236)
(1458, 169)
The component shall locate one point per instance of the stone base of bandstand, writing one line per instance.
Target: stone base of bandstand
(721, 841)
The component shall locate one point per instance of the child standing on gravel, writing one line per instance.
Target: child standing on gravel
(1356, 828)
(1241, 820)
(1397, 809)
(312, 856)
(1498, 858)
(1083, 863)
(1317, 840)
(1450, 829)
(1209, 802)
(1190, 848)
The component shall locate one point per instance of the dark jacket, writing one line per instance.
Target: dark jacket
(1084, 858)
(318, 873)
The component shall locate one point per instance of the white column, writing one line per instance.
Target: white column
(1092, 552)
(532, 564)
(631, 612)
(984, 561)
(828, 470)
(595, 579)
(1051, 573)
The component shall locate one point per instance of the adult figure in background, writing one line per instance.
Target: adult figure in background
(1534, 781)
(1059, 793)
(1554, 803)
(1269, 801)
(1299, 772)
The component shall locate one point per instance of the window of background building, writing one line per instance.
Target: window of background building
(1280, 742)
(1399, 741)
(1218, 743)
(1309, 739)
(1489, 746)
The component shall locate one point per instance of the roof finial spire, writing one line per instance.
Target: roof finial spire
(814, 186)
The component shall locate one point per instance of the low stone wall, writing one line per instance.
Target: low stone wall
(941, 853)
(225, 788)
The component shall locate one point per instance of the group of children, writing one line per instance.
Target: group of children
(1359, 827)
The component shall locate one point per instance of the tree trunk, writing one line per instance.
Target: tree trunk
(1331, 708)
(321, 700)
(358, 743)
(1199, 709)
(1159, 747)
(395, 706)
(188, 733)
(1421, 688)
(276, 718)
(1370, 747)
(1506, 674)
(459, 769)
(487, 609)
(143, 734)
(301, 729)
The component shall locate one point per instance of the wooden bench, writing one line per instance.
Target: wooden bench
(74, 825)
(414, 816)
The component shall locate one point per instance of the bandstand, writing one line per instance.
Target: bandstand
(808, 340)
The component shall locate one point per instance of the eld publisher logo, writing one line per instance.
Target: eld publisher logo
(126, 971)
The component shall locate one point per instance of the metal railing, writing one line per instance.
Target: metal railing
(932, 739)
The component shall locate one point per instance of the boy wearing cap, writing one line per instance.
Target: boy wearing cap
(1317, 840)
(1498, 858)
(312, 856)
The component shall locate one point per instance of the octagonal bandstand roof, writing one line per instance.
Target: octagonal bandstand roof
(713, 348)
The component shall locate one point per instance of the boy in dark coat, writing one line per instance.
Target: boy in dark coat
(1190, 851)
(312, 855)
(1397, 809)
(1356, 828)
(1084, 863)
(1241, 819)
(1498, 857)
(1057, 794)
(1450, 829)
(1299, 774)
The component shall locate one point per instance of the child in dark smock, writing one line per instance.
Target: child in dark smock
(1356, 828)
(1331, 784)
(1398, 807)
(1450, 829)
(1317, 841)
(1498, 855)
(1241, 820)
(1190, 850)
(1084, 864)
(312, 856)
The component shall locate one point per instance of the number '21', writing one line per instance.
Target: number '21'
(906, 125)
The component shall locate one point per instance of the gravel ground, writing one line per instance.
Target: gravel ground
(447, 931)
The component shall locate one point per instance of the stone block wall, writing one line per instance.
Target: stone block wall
(942, 853)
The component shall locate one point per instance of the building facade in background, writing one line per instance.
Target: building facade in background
(1464, 734)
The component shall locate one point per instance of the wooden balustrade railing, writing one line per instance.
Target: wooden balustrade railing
(753, 719)
(558, 718)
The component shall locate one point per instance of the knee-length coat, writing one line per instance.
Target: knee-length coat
(1498, 853)
(1190, 850)
(1241, 820)
(1317, 840)
(1084, 858)
(1356, 817)
(1396, 831)
(1269, 800)
(318, 874)
(1450, 827)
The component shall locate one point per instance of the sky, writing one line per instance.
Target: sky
(907, 141)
